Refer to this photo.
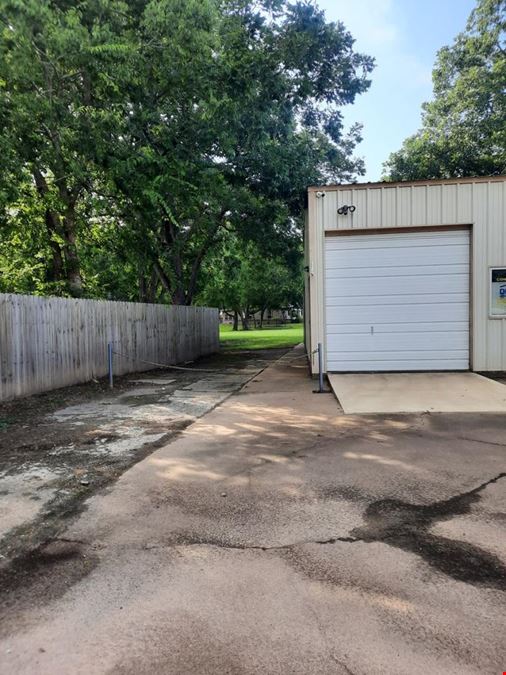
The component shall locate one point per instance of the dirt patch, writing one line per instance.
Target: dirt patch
(59, 447)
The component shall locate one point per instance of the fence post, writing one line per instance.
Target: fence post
(109, 363)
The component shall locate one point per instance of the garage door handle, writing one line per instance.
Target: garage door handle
(372, 330)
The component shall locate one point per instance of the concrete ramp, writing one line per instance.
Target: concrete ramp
(417, 392)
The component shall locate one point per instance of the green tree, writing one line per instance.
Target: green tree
(136, 135)
(463, 131)
(59, 62)
(226, 131)
(270, 284)
(242, 280)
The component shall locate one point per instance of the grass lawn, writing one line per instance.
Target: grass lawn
(263, 338)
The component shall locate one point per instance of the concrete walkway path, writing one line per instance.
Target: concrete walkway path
(277, 535)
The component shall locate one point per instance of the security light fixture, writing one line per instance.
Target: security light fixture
(343, 210)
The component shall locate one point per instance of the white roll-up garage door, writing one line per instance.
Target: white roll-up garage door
(397, 301)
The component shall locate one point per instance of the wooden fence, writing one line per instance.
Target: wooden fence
(46, 343)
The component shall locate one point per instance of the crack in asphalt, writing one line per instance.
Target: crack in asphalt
(406, 526)
(479, 440)
(321, 629)
(340, 663)
(66, 540)
(396, 523)
(184, 541)
(218, 543)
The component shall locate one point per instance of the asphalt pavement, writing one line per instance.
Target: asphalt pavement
(276, 534)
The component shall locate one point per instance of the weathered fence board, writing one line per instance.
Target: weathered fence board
(46, 343)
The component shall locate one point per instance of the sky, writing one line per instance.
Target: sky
(404, 37)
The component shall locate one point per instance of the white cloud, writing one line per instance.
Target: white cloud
(401, 81)
(378, 31)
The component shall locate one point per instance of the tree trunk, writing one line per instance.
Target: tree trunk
(163, 278)
(262, 312)
(72, 263)
(176, 245)
(55, 270)
(148, 286)
(179, 296)
(235, 325)
(245, 320)
(142, 287)
(152, 287)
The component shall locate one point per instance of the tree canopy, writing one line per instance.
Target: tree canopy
(463, 129)
(138, 136)
(244, 280)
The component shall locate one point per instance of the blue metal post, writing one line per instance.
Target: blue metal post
(320, 366)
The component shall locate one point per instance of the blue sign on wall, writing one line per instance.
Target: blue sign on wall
(498, 291)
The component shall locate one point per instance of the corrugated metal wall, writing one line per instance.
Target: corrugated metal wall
(480, 203)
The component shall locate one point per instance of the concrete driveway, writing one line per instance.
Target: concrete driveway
(418, 392)
(277, 535)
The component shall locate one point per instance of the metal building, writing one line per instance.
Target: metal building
(407, 276)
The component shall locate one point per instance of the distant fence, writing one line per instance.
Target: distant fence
(46, 343)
